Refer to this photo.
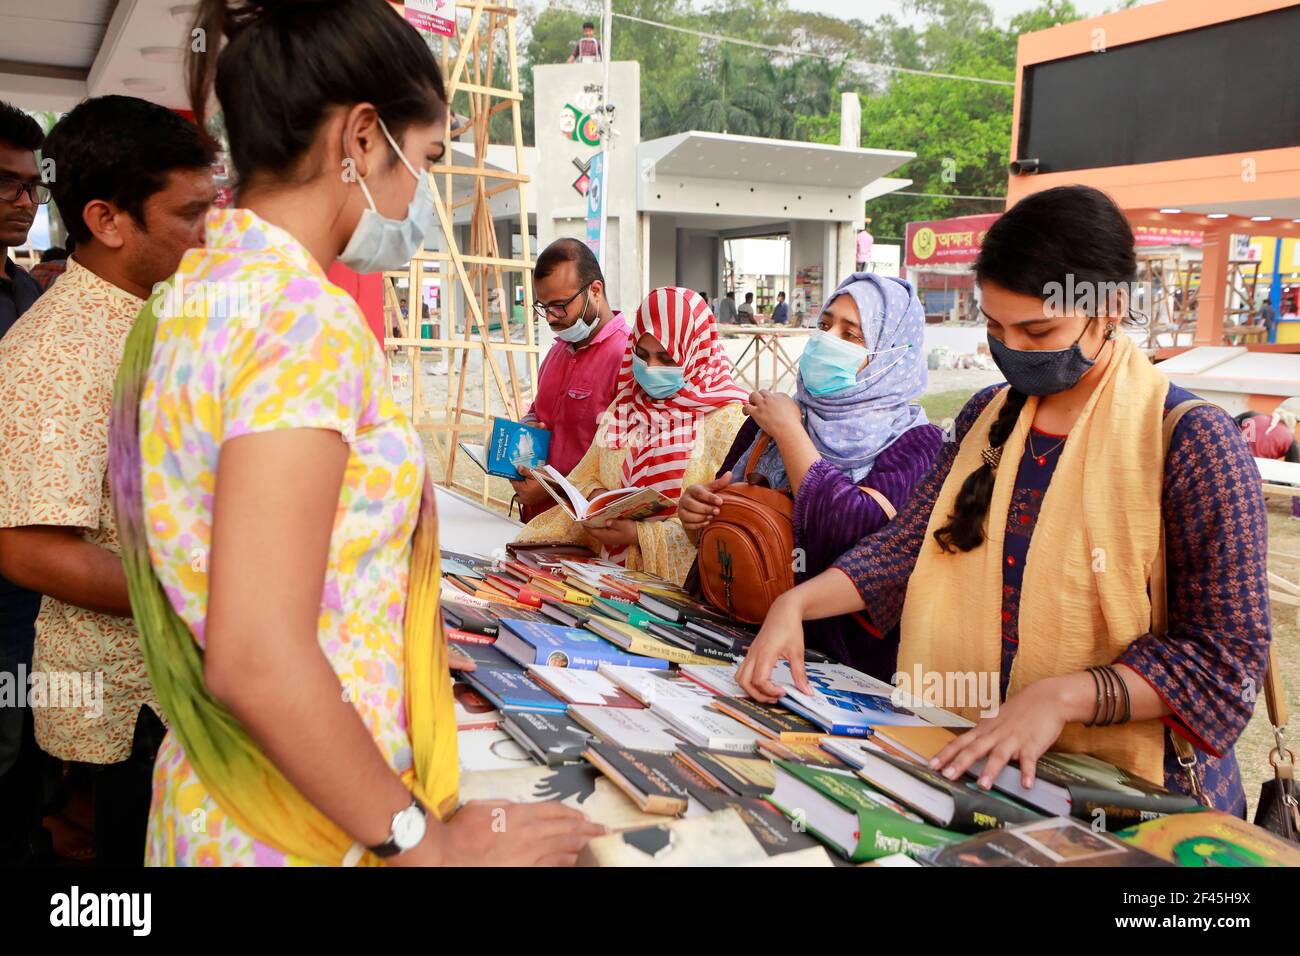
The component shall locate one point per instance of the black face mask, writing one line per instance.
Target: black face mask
(1045, 372)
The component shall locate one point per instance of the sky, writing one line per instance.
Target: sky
(868, 9)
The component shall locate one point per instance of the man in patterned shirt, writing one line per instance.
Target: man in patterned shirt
(21, 192)
(133, 183)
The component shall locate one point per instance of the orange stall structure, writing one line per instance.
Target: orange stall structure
(1186, 112)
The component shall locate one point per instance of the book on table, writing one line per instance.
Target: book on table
(486, 655)
(742, 774)
(768, 825)
(844, 702)
(1210, 838)
(958, 805)
(813, 754)
(652, 686)
(721, 838)
(512, 448)
(649, 778)
(473, 710)
(552, 739)
(574, 685)
(579, 786)
(510, 690)
(624, 727)
(702, 725)
(1053, 842)
(770, 720)
(1089, 788)
(534, 642)
(641, 643)
(842, 811)
(633, 504)
(490, 749)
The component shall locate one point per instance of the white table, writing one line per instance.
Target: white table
(465, 525)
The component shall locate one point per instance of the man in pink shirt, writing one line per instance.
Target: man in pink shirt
(864, 244)
(575, 383)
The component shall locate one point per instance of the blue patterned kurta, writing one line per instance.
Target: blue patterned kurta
(1216, 535)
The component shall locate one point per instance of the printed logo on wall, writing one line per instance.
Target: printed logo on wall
(577, 121)
(583, 182)
(579, 126)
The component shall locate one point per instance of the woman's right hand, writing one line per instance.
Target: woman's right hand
(497, 833)
(780, 638)
(699, 504)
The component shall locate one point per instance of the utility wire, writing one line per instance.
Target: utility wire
(794, 51)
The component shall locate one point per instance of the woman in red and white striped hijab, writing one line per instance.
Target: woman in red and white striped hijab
(663, 443)
(660, 432)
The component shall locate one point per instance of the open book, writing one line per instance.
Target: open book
(634, 504)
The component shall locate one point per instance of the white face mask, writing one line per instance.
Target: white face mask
(379, 244)
(579, 330)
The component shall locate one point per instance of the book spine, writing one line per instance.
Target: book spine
(1118, 810)
(667, 652)
(975, 814)
(814, 737)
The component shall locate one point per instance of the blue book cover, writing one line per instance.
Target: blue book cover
(531, 642)
(849, 714)
(511, 690)
(513, 445)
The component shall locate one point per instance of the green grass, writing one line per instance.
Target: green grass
(942, 406)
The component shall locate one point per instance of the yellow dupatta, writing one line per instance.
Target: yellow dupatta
(1084, 598)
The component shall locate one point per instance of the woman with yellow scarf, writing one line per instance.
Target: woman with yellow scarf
(276, 518)
(1028, 564)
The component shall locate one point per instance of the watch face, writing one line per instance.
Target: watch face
(408, 828)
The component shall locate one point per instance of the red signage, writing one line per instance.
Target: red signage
(1165, 236)
(943, 242)
(946, 242)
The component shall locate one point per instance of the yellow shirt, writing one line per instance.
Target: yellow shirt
(662, 547)
(57, 366)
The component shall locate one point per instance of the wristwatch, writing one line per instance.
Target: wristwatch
(406, 832)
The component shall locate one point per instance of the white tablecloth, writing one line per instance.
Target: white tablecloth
(466, 526)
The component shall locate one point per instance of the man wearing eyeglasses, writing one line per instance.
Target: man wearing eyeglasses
(133, 182)
(21, 191)
(21, 837)
(576, 381)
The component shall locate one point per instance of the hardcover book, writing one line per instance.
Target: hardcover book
(1057, 841)
(1210, 838)
(552, 739)
(511, 450)
(650, 779)
(532, 642)
(848, 816)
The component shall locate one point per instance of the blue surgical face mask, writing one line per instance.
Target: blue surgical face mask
(830, 364)
(1045, 371)
(579, 330)
(379, 244)
(659, 381)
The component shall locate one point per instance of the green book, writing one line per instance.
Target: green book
(842, 811)
(623, 611)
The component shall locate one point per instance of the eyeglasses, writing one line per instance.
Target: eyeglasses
(11, 189)
(558, 310)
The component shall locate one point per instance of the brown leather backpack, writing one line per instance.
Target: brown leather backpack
(746, 553)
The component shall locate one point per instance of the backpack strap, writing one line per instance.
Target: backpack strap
(760, 446)
(1274, 692)
(880, 499)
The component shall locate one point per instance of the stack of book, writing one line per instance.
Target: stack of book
(615, 692)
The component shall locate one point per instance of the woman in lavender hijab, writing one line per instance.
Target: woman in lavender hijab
(852, 423)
